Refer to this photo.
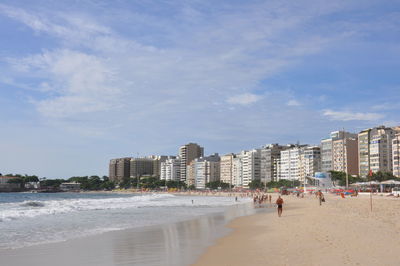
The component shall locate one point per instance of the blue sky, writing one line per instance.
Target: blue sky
(85, 81)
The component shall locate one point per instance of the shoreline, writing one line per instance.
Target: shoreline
(340, 232)
(178, 243)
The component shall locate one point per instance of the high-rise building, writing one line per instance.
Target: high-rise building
(237, 170)
(270, 156)
(188, 153)
(206, 169)
(290, 163)
(119, 168)
(375, 150)
(251, 161)
(327, 148)
(345, 155)
(170, 169)
(310, 161)
(141, 167)
(396, 155)
(226, 166)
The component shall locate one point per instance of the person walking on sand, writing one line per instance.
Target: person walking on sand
(279, 202)
(321, 197)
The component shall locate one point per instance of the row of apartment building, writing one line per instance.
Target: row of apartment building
(375, 149)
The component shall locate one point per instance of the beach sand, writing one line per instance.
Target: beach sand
(340, 232)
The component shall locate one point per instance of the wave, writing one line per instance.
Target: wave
(30, 209)
(33, 204)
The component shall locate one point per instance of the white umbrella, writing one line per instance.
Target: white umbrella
(390, 182)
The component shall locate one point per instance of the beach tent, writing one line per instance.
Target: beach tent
(390, 182)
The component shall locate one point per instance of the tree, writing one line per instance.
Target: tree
(283, 183)
(256, 184)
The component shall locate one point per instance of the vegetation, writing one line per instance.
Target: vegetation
(339, 178)
(93, 182)
(217, 184)
(256, 184)
(382, 176)
(22, 179)
(283, 183)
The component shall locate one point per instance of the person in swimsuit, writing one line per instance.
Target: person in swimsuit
(279, 202)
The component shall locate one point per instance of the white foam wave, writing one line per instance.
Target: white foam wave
(27, 209)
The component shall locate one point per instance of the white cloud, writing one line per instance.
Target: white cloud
(244, 99)
(99, 71)
(349, 116)
(293, 103)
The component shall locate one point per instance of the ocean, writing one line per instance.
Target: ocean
(28, 219)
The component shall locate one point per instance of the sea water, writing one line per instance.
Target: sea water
(28, 219)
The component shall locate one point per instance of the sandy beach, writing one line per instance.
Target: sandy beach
(340, 232)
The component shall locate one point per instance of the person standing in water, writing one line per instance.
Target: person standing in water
(279, 202)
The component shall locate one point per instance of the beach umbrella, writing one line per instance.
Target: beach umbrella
(390, 182)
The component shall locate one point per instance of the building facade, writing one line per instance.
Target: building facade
(396, 155)
(375, 150)
(170, 169)
(327, 149)
(310, 161)
(141, 167)
(345, 155)
(270, 157)
(206, 169)
(119, 168)
(237, 170)
(290, 166)
(226, 166)
(188, 153)
(251, 166)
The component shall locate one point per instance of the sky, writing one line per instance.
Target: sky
(85, 81)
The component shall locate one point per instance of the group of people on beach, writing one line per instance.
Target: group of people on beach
(260, 199)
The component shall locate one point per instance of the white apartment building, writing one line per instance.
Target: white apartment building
(251, 161)
(375, 150)
(170, 169)
(290, 162)
(237, 170)
(206, 169)
(310, 161)
(226, 166)
(396, 155)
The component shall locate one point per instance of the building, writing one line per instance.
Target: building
(326, 155)
(157, 160)
(226, 166)
(188, 153)
(345, 155)
(375, 150)
(119, 168)
(327, 148)
(251, 169)
(310, 161)
(270, 157)
(170, 169)
(237, 170)
(396, 155)
(206, 169)
(290, 166)
(141, 167)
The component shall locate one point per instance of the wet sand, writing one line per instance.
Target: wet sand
(169, 244)
(340, 232)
